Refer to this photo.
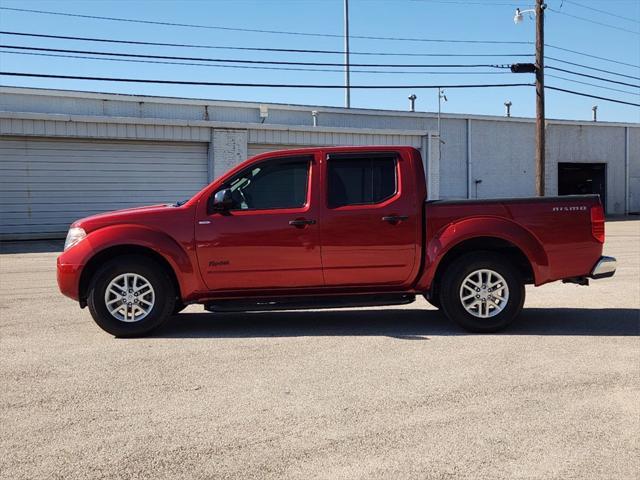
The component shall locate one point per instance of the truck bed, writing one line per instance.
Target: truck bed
(560, 226)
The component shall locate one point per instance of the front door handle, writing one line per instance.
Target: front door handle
(300, 222)
(395, 218)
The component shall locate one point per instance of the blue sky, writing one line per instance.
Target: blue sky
(435, 19)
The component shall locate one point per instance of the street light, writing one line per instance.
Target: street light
(538, 11)
(441, 96)
(518, 17)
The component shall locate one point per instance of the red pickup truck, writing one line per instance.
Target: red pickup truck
(323, 228)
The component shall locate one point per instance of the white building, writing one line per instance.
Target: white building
(67, 154)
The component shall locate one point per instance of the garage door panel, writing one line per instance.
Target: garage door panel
(96, 157)
(28, 167)
(89, 186)
(47, 184)
(66, 146)
(72, 198)
(114, 175)
(66, 208)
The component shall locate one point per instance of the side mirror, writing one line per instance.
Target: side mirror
(221, 201)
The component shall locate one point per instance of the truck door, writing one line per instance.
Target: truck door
(370, 220)
(268, 239)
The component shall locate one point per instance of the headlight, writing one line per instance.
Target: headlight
(75, 235)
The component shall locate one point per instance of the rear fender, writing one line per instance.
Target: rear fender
(492, 227)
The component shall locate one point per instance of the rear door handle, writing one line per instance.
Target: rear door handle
(300, 222)
(395, 218)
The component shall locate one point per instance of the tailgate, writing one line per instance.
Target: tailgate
(570, 228)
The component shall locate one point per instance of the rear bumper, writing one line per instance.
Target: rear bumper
(605, 268)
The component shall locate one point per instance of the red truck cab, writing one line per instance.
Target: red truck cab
(328, 227)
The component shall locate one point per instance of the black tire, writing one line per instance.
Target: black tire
(156, 275)
(459, 270)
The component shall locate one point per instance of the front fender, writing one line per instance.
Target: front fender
(181, 257)
(487, 227)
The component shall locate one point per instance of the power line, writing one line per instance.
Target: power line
(404, 72)
(584, 19)
(136, 42)
(253, 30)
(592, 84)
(592, 76)
(555, 47)
(601, 11)
(465, 3)
(436, 40)
(305, 86)
(573, 92)
(262, 49)
(593, 68)
(262, 85)
(259, 62)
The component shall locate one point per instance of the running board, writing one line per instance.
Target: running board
(310, 303)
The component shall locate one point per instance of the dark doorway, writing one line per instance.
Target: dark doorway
(583, 178)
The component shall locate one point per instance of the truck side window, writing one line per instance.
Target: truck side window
(361, 181)
(272, 184)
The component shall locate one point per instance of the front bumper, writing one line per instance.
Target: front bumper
(68, 276)
(605, 268)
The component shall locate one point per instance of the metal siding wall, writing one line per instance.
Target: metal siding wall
(132, 131)
(503, 158)
(255, 149)
(634, 170)
(46, 184)
(502, 150)
(453, 160)
(589, 144)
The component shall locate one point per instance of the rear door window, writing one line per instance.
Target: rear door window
(364, 180)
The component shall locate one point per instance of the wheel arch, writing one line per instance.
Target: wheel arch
(114, 251)
(488, 234)
(107, 243)
(486, 244)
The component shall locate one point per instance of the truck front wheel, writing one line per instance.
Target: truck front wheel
(130, 296)
(482, 291)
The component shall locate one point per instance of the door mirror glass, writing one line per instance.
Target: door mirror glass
(221, 201)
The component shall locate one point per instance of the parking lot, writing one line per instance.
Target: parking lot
(394, 392)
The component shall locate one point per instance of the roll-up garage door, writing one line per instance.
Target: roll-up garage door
(46, 184)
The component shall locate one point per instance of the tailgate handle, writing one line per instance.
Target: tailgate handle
(395, 218)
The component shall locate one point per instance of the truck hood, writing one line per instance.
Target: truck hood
(126, 215)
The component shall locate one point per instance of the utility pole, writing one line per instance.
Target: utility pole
(538, 68)
(347, 80)
(540, 116)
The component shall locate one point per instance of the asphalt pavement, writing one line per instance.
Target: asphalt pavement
(369, 393)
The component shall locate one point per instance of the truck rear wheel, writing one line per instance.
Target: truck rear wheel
(482, 291)
(130, 296)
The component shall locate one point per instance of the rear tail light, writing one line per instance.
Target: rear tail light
(597, 223)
